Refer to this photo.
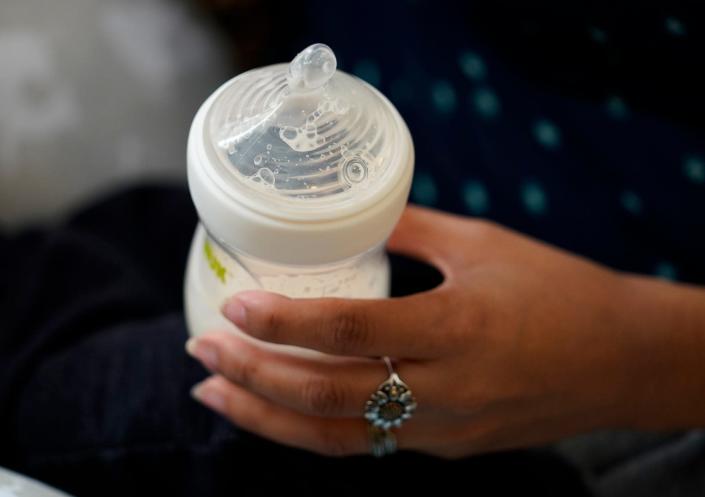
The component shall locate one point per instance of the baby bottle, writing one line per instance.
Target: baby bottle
(299, 174)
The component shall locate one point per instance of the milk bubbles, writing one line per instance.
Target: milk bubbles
(309, 136)
(266, 175)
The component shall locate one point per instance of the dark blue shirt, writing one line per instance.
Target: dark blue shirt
(581, 126)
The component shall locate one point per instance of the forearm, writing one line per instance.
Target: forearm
(666, 363)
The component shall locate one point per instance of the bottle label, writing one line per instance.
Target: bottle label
(214, 262)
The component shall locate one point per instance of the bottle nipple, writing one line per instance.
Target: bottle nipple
(312, 68)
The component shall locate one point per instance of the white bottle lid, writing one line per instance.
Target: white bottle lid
(299, 164)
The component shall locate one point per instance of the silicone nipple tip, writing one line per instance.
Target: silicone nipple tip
(312, 68)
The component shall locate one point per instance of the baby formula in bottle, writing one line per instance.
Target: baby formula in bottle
(299, 173)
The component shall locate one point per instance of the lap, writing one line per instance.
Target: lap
(97, 396)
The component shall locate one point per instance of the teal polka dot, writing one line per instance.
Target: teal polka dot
(368, 70)
(616, 108)
(476, 198)
(675, 26)
(631, 202)
(443, 97)
(423, 189)
(666, 271)
(597, 35)
(694, 169)
(401, 91)
(534, 198)
(472, 65)
(486, 103)
(547, 134)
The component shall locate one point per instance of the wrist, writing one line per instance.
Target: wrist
(663, 373)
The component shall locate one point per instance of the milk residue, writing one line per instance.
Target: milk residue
(306, 138)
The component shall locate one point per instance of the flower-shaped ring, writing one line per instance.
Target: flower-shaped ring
(392, 403)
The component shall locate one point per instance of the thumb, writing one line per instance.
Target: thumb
(423, 234)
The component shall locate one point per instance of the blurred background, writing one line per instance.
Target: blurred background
(582, 124)
(94, 94)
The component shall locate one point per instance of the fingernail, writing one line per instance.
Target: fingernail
(208, 397)
(234, 309)
(204, 352)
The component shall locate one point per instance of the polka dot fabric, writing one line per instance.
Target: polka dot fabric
(582, 128)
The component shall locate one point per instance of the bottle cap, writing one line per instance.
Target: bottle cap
(299, 163)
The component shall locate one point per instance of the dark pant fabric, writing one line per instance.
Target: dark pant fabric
(94, 380)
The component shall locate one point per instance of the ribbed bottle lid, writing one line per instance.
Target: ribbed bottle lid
(301, 137)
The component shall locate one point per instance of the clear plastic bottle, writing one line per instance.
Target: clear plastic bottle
(299, 173)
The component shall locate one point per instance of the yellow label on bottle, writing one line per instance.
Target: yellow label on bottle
(213, 261)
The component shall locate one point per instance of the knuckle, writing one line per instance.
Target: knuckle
(472, 320)
(246, 372)
(271, 326)
(323, 397)
(349, 332)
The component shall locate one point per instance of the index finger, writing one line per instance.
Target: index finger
(407, 327)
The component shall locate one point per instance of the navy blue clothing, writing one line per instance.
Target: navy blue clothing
(583, 125)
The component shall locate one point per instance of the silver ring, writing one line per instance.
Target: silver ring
(392, 403)
(384, 442)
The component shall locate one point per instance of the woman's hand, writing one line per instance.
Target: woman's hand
(521, 344)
